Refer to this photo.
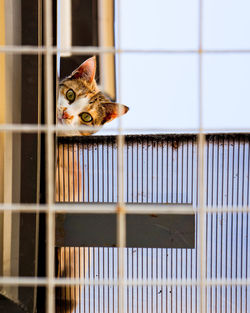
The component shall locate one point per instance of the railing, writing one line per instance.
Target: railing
(160, 169)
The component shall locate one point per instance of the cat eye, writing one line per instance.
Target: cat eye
(86, 117)
(70, 95)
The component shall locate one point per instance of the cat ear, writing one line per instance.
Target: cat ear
(114, 110)
(86, 70)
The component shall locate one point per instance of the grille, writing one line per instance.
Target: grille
(210, 184)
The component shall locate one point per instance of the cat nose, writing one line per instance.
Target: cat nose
(66, 115)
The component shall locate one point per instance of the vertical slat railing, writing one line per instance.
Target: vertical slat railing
(220, 234)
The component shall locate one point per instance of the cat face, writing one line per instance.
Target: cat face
(80, 102)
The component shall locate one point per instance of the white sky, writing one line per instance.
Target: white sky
(162, 90)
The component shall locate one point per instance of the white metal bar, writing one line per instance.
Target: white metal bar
(29, 281)
(121, 211)
(79, 50)
(143, 208)
(64, 41)
(201, 247)
(50, 291)
(38, 163)
(31, 128)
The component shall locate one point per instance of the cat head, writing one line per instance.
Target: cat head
(80, 102)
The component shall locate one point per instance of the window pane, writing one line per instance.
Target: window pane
(160, 90)
(161, 24)
(226, 24)
(226, 94)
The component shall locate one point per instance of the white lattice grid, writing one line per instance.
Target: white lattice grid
(120, 209)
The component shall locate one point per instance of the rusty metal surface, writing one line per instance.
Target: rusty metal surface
(158, 169)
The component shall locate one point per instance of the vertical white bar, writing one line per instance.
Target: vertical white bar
(49, 154)
(106, 40)
(39, 97)
(64, 26)
(121, 215)
(58, 36)
(10, 154)
(201, 203)
(202, 223)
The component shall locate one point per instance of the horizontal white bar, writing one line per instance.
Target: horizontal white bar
(29, 281)
(97, 208)
(101, 50)
(227, 210)
(33, 128)
(136, 208)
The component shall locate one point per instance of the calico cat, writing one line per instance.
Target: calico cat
(80, 101)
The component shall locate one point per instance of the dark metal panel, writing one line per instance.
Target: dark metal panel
(160, 231)
(77, 230)
(146, 231)
(8, 305)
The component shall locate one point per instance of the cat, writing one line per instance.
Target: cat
(80, 101)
